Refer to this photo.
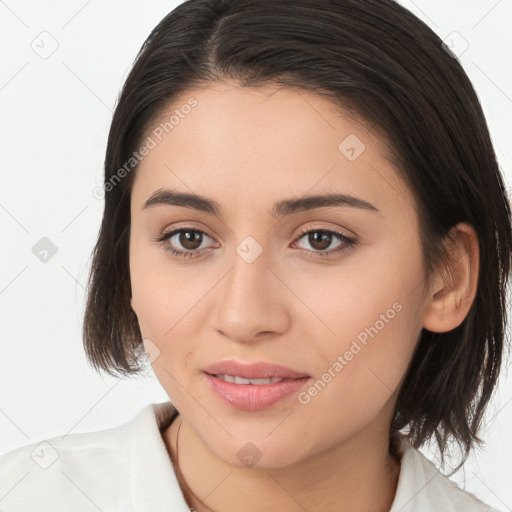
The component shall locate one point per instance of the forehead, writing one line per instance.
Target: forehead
(260, 142)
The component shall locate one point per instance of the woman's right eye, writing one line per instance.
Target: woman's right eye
(186, 237)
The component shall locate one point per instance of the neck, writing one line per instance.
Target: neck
(358, 475)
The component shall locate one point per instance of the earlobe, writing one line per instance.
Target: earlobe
(455, 286)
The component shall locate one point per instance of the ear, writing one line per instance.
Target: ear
(454, 288)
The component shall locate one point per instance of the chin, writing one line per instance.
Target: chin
(259, 453)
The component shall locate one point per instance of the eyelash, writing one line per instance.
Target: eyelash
(348, 242)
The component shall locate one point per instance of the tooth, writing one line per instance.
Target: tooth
(241, 380)
(235, 379)
(260, 381)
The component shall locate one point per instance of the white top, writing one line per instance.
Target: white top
(127, 468)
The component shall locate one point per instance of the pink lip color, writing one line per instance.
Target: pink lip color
(256, 370)
(253, 397)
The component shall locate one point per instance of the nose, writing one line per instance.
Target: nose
(252, 301)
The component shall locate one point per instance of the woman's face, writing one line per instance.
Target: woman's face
(275, 285)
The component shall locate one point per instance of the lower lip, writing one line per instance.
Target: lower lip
(253, 397)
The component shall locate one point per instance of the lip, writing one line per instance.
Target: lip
(253, 397)
(256, 370)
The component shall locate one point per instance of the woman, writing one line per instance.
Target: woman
(305, 230)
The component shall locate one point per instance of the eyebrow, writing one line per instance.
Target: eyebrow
(280, 208)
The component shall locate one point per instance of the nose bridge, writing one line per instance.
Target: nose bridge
(248, 279)
(249, 297)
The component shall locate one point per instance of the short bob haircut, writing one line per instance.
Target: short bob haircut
(385, 67)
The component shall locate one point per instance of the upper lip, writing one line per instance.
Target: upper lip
(256, 370)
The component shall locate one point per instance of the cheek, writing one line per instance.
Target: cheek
(168, 310)
(169, 327)
(166, 316)
(358, 380)
(158, 297)
(375, 320)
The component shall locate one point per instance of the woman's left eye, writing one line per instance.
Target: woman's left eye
(322, 238)
(192, 239)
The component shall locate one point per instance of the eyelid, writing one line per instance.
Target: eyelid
(323, 227)
(305, 229)
(183, 225)
(347, 241)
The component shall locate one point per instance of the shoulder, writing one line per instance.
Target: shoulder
(76, 471)
(67, 470)
(422, 487)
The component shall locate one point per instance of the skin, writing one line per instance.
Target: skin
(247, 148)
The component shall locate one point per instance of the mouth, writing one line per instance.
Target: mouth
(253, 387)
(252, 371)
(236, 379)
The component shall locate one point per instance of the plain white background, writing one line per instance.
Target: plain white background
(56, 111)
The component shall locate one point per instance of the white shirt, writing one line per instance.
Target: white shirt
(127, 468)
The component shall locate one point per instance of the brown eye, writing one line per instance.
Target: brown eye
(189, 239)
(321, 239)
